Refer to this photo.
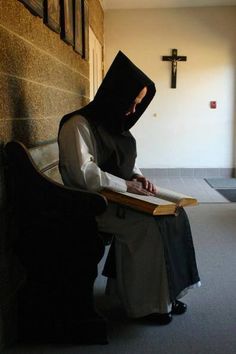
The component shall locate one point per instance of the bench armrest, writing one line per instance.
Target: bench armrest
(39, 191)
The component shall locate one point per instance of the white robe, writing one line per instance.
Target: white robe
(141, 283)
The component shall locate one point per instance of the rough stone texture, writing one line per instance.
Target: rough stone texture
(16, 19)
(38, 66)
(44, 100)
(41, 79)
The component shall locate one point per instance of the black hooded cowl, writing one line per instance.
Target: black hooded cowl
(106, 114)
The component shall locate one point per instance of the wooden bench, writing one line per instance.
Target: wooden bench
(59, 247)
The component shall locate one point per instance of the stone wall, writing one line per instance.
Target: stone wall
(41, 79)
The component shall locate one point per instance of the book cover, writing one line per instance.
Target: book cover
(165, 203)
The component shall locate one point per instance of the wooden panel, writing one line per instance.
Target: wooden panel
(54, 174)
(45, 156)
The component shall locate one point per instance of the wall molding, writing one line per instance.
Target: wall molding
(190, 172)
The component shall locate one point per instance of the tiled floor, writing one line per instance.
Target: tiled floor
(196, 187)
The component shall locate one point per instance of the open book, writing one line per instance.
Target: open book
(166, 202)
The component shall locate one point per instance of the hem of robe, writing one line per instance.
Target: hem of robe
(185, 291)
(140, 311)
(146, 310)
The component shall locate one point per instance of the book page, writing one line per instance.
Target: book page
(148, 198)
(144, 203)
(175, 197)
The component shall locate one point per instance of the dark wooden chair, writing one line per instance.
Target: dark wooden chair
(59, 247)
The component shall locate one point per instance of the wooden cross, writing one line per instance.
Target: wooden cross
(174, 58)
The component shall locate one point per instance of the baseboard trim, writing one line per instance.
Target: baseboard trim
(189, 172)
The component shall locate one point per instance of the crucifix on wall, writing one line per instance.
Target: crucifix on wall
(174, 58)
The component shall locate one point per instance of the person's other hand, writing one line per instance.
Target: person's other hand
(137, 187)
(146, 184)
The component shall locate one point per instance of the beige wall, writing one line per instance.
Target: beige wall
(179, 129)
(41, 78)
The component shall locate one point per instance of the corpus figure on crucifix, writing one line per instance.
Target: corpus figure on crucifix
(174, 58)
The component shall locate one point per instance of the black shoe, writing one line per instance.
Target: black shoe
(178, 307)
(159, 318)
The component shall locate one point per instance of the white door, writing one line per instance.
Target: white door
(95, 63)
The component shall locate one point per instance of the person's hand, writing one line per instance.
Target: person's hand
(149, 186)
(140, 185)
